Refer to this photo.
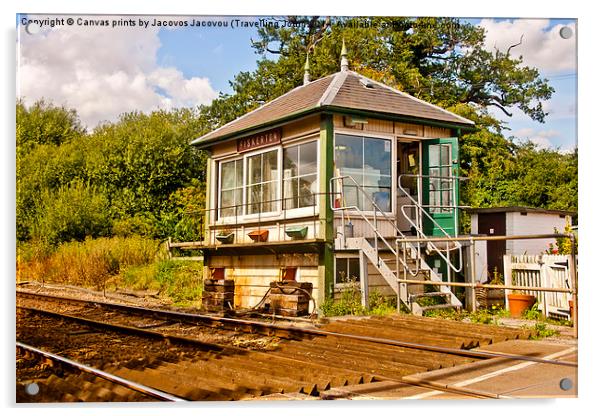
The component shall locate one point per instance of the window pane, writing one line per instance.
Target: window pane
(348, 152)
(238, 200)
(383, 199)
(239, 174)
(377, 180)
(228, 175)
(227, 202)
(351, 197)
(308, 162)
(254, 199)
(254, 169)
(307, 185)
(435, 177)
(340, 274)
(270, 166)
(446, 200)
(445, 154)
(356, 174)
(290, 192)
(290, 158)
(269, 196)
(354, 270)
(434, 155)
(377, 156)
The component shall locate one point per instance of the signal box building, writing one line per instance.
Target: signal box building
(317, 185)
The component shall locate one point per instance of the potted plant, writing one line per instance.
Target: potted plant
(519, 301)
(225, 236)
(259, 236)
(296, 232)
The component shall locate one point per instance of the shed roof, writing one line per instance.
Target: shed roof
(493, 210)
(342, 90)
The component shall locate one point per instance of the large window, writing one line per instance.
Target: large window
(299, 175)
(252, 184)
(231, 188)
(368, 161)
(262, 182)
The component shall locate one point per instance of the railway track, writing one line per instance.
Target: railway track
(73, 381)
(200, 357)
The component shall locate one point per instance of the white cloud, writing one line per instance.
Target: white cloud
(542, 47)
(541, 138)
(103, 72)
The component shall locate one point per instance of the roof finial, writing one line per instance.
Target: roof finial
(344, 61)
(306, 79)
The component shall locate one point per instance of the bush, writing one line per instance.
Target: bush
(350, 303)
(73, 212)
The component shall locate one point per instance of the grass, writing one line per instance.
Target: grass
(492, 317)
(120, 262)
(481, 316)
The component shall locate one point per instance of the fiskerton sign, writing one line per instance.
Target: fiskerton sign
(266, 138)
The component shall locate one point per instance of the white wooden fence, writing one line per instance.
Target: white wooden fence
(541, 271)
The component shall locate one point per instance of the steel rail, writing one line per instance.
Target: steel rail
(419, 383)
(309, 331)
(132, 385)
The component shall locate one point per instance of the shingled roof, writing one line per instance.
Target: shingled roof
(342, 90)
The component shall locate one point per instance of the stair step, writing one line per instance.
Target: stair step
(430, 295)
(392, 261)
(438, 307)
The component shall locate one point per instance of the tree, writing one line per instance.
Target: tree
(44, 123)
(138, 169)
(440, 60)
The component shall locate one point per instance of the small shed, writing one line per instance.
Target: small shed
(511, 221)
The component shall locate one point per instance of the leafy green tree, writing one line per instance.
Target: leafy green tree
(441, 60)
(136, 165)
(73, 212)
(142, 159)
(45, 123)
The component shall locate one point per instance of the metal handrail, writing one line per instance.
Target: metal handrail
(377, 234)
(417, 206)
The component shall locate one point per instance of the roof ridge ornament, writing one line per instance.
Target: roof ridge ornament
(344, 61)
(306, 78)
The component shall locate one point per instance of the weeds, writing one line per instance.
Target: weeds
(532, 314)
(481, 316)
(350, 303)
(542, 331)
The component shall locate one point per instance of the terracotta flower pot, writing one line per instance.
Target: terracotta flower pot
(518, 303)
(259, 235)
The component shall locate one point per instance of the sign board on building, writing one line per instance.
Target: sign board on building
(266, 138)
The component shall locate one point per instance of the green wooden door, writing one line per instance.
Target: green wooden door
(440, 187)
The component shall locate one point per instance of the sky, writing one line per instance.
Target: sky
(104, 71)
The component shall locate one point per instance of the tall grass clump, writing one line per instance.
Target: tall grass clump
(85, 263)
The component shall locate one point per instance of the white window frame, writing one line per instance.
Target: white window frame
(270, 214)
(309, 210)
(393, 142)
(219, 188)
(274, 215)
